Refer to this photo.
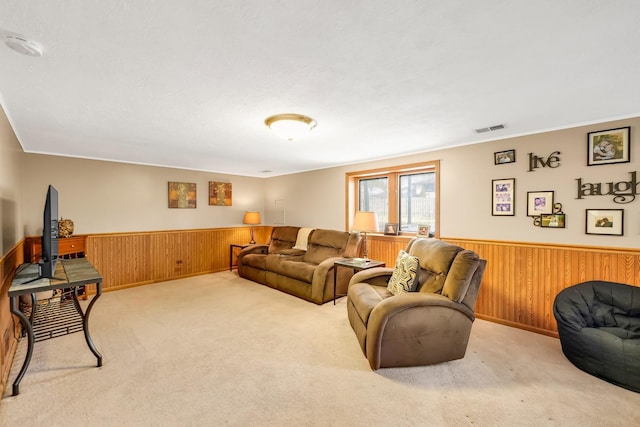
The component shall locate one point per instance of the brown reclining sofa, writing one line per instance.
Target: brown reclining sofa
(304, 274)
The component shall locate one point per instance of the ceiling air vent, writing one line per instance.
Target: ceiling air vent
(489, 129)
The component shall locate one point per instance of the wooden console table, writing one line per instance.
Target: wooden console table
(68, 247)
(69, 317)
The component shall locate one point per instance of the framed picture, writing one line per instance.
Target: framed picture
(391, 229)
(539, 203)
(556, 220)
(423, 230)
(182, 195)
(609, 146)
(220, 193)
(502, 157)
(503, 197)
(605, 221)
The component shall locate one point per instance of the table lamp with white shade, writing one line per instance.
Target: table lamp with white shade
(365, 222)
(252, 218)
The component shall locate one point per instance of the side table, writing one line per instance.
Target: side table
(60, 317)
(235, 245)
(357, 264)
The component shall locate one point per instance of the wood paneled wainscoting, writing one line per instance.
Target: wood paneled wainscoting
(523, 279)
(132, 259)
(138, 258)
(8, 326)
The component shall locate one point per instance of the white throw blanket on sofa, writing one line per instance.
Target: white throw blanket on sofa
(303, 237)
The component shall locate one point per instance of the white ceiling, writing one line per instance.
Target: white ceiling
(188, 84)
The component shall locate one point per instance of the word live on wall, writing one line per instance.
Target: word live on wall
(623, 191)
(553, 161)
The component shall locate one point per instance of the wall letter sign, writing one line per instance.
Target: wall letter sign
(623, 191)
(553, 161)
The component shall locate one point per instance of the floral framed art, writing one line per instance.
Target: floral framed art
(503, 197)
(539, 203)
(182, 195)
(605, 221)
(609, 146)
(220, 193)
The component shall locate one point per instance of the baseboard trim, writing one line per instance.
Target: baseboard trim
(517, 325)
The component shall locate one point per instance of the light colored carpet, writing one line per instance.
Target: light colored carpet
(217, 350)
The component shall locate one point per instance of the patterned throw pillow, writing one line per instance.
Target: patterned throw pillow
(405, 274)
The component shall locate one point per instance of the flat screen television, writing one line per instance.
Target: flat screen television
(47, 265)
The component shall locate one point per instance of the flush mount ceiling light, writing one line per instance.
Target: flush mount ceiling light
(22, 45)
(290, 126)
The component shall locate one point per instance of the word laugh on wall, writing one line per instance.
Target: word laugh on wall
(623, 191)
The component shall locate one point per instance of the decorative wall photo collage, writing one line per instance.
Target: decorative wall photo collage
(605, 147)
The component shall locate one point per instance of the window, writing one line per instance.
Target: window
(417, 201)
(373, 195)
(406, 195)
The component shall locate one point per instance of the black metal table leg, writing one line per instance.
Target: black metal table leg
(27, 325)
(34, 302)
(85, 323)
(335, 281)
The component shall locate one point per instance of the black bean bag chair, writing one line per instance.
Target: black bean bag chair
(599, 328)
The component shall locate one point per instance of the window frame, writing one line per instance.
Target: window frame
(392, 173)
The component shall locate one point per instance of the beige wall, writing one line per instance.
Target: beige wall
(11, 156)
(318, 198)
(311, 199)
(107, 197)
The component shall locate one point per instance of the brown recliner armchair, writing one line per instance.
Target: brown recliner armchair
(428, 326)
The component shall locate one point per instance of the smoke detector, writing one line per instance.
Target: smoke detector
(23, 45)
